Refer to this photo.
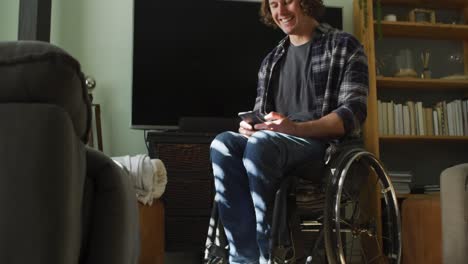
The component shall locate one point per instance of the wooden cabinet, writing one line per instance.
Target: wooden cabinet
(151, 233)
(422, 230)
(425, 155)
(188, 197)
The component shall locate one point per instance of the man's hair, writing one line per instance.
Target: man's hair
(312, 8)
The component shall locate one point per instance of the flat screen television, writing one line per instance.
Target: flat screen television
(198, 59)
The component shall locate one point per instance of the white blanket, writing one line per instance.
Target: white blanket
(149, 176)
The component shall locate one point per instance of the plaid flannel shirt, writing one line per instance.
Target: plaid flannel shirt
(340, 78)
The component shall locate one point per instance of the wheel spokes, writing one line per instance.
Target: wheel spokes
(353, 225)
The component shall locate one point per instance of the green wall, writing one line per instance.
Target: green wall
(99, 34)
(9, 10)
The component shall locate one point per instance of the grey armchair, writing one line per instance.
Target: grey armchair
(454, 205)
(60, 201)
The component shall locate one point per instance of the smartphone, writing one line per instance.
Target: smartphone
(252, 117)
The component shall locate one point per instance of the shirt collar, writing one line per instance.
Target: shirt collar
(320, 30)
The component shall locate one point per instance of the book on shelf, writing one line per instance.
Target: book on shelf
(399, 111)
(465, 116)
(406, 121)
(456, 118)
(401, 181)
(396, 119)
(403, 188)
(445, 117)
(413, 118)
(380, 115)
(400, 175)
(450, 123)
(435, 123)
(461, 125)
(420, 119)
(428, 189)
(428, 121)
(391, 118)
(385, 118)
(441, 118)
(460, 117)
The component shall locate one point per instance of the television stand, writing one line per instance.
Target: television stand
(211, 125)
(189, 193)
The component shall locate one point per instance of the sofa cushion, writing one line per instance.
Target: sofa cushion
(39, 72)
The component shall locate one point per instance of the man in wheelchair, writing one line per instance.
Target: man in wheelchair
(312, 90)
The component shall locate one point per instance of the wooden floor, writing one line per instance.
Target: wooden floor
(182, 258)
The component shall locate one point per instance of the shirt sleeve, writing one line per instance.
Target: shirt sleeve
(353, 90)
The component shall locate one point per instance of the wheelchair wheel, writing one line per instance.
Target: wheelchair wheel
(351, 228)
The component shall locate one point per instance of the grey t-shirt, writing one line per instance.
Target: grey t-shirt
(292, 89)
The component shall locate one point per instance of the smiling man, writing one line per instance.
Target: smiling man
(312, 90)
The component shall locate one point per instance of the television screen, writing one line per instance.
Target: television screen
(198, 59)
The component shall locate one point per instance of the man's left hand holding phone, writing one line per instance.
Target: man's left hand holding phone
(249, 119)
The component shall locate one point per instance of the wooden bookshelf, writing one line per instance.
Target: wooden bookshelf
(451, 4)
(425, 156)
(423, 30)
(415, 195)
(416, 83)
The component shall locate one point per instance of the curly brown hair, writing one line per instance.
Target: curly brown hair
(312, 8)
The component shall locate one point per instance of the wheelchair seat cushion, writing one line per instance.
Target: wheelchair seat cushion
(310, 171)
(312, 176)
(38, 72)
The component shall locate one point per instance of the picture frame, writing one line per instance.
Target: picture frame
(95, 134)
(419, 15)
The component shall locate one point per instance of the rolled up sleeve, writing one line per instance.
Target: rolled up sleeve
(352, 96)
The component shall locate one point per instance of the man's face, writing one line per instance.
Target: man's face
(288, 15)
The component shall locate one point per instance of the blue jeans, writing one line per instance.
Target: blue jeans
(247, 174)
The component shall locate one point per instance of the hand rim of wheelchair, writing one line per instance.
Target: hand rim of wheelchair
(334, 247)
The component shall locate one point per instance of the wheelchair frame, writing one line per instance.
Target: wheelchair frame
(339, 195)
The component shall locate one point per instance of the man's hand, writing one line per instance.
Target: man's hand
(246, 129)
(278, 123)
(328, 126)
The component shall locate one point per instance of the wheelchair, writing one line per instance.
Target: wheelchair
(349, 216)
